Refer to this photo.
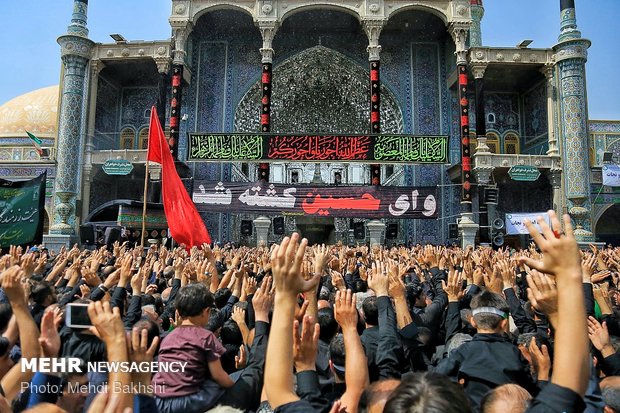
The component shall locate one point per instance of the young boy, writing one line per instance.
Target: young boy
(203, 380)
(489, 359)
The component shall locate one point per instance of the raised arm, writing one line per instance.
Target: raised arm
(286, 259)
(561, 258)
(28, 331)
(356, 365)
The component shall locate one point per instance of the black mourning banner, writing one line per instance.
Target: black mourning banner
(317, 148)
(319, 201)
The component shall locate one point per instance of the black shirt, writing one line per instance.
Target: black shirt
(554, 398)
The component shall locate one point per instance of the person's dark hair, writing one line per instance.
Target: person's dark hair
(231, 334)
(489, 321)
(360, 286)
(4, 346)
(371, 312)
(6, 312)
(151, 327)
(40, 291)
(192, 300)
(147, 300)
(216, 320)
(526, 338)
(328, 324)
(228, 358)
(336, 354)
(427, 393)
(221, 297)
(413, 291)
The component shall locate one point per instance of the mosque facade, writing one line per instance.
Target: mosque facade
(316, 67)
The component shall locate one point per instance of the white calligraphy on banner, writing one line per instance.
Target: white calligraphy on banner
(515, 223)
(611, 175)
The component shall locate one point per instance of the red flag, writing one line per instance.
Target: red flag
(186, 225)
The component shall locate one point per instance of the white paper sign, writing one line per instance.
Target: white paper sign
(515, 223)
(611, 175)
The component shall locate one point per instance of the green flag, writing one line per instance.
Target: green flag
(36, 142)
(21, 211)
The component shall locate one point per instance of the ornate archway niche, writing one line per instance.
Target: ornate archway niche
(318, 90)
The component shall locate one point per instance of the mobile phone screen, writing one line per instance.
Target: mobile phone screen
(77, 315)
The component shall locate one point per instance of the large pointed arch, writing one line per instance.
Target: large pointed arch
(318, 90)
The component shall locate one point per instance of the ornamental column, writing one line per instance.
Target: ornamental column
(549, 71)
(467, 226)
(483, 173)
(373, 31)
(96, 66)
(571, 54)
(475, 33)
(178, 63)
(268, 31)
(76, 51)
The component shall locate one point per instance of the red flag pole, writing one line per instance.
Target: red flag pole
(146, 186)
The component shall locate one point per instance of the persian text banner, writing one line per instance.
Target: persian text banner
(320, 201)
(318, 148)
(21, 211)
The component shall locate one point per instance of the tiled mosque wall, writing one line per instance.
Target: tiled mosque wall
(535, 138)
(135, 107)
(108, 108)
(226, 63)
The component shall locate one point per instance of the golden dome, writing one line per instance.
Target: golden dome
(35, 112)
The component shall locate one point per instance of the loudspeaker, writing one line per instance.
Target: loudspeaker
(491, 195)
(112, 234)
(88, 234)
(359, 230)
(453, 231)
(246, 227)
(498, 240)
(278, 226)
(608, 157)
(392, 231)
(498, 224)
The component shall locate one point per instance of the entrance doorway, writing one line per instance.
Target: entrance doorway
(316, 230)
(608, 226)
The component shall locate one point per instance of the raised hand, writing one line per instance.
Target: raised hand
(338, 280)
(588, 266)
(287, 259)
(322, 257)
(541, 361)
(453, 287)
(49, 338)
(507, 273)
(262, 300)
(378, 280)
(599, 336)
(305, 343)
(12, 285)
(560, 251)
(238, 315)
(107, 323)
(345, 310)
(543, 294)
(242, 358)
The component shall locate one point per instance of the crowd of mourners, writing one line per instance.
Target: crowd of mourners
(293, 328)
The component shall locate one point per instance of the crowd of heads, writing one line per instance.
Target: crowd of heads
(297, 328)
